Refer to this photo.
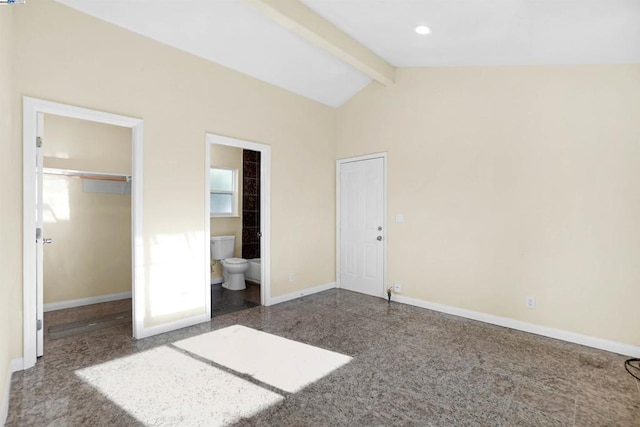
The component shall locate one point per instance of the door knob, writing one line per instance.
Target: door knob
(47, 241)
(379, 238)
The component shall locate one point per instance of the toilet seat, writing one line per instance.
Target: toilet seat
(235, 261)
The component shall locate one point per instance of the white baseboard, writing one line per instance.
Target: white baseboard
(298, 294)
(53, 306)
(586, 340)
(17, 365)
(217, 280)
(14, 366)
(168, 327)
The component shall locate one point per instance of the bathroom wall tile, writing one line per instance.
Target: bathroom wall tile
(251, 219)
(250, 203)
(250, 251)
(250, 186)
(250, 155)
(250, 235)
(250, 170)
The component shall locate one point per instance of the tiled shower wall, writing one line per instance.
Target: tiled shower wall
(250, 204)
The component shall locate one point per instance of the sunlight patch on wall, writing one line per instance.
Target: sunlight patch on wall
(285, 364)
(165, 387)
(175, 274)
(55, 199)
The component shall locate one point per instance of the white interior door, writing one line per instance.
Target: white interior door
(40, 240)
(361, 213)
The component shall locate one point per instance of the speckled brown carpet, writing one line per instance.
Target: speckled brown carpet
(87, 325)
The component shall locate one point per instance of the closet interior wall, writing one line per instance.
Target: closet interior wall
(86, 209)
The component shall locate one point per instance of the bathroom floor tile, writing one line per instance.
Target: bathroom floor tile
(224, 301)
(410, 367)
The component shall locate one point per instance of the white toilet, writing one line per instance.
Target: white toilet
(233, 269)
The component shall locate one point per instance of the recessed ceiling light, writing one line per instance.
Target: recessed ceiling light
(422, 30)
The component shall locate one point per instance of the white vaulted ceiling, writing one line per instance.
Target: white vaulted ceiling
(464, 33)
(230, 33)
(491, 32)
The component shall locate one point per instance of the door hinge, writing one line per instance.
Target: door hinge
(38, 233)
(39, 141)
(39, 324)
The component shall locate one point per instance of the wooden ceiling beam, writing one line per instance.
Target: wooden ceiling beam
(303, 21)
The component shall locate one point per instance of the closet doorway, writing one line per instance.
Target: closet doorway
(86, 227)
(84, 203)
(237, 218)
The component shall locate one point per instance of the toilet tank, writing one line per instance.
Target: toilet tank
(222, 247)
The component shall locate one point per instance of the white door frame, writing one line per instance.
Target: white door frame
(265, 210)
(31, 108)
(385, 231)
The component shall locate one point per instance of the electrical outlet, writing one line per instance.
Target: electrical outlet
(292, 277)
(531, 302)
(397, 288)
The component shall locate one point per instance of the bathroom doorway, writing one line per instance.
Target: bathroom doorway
(237, 215)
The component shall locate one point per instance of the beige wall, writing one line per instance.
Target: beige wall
(514, 181)
(230, 158)
(91, 251)
(9, 190)
(69, 57)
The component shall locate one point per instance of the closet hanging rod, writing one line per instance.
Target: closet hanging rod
(87, 175)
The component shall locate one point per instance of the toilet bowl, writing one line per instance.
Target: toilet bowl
(233, 270)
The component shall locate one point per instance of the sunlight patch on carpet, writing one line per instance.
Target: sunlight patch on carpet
(282, 363)
(164, 387)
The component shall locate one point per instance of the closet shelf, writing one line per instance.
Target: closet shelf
(87, 175)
